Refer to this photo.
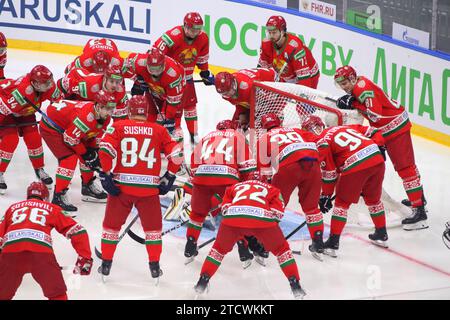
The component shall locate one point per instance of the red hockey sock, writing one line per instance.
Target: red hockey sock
(33, 141)
(194, 226)
(110, 239)
(216, 200)
(190, 116)
(64, 173)
(212, 262)
(86, 173)
(8, 145)
(412, 185)
(153, 244)
(314, 221)
(287, 264)
(338, 218)
(377, 214)
(60, 297)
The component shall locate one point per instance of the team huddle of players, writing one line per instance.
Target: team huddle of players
(91, 122)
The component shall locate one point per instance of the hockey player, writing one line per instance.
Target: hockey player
(355, 155)
(220, 159)
(251, 208)
(446, 235)
(78, 84)
(97, 55)
(3, 50)
(18, 100)
(189, 45)
(136, 144)
(287, 54)
(70, 130)
(293, 154)
(165, 79)
(237, 87)
(392, 120)
(25, 237)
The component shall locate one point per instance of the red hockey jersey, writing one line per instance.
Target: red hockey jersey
(282, 146)
(168, 87)
(299, 59)
(220, 158)
(3, 59)
(137, 147)
(14, 95)
(382, 112)
(27, 226)
(77, 119)
(91, 47)
(188, 53)
(252, 204)
(347, 149)
(79, 84)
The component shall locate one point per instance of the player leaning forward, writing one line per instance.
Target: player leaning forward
(252, 208)
(392, 119)
(136, 144)
(25, 236)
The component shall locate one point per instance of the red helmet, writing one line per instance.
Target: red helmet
(138, 106)
(253, 175)
(276, 22)
(224, 82)
(193, 20)
(226, 124)
(155, 61)
(114, 72)
(345, 72)
(37, 189)
(104, 98)
(41, 78)
(311, 123)
(3, 43)
(100, 61)
(270, 120)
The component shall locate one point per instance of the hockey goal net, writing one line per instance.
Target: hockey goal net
(294, 104)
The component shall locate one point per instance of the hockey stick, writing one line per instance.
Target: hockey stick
(19, 125)
(206, 243)
(98, 253)
(140, 240)
(44, 116)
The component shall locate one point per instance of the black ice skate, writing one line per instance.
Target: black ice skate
(317, 246)
(258, 250)
(155, 271)
(244, 254)
(202, 284)
(105, 269)
(60, 199)
(379, 237)
(90, 192)
(417, 220)
(331, 245)
(3, 185)
(297, 290)
(407, 203)
(190, 250)
(44, 177)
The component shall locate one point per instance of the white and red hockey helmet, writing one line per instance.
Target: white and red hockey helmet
(41, 78)
(270, 120)
(100, 61)
(105, 99)
(138, 106)
(276, 23)
(226, 124)
(3, 42)
(155, 61)
(313, 124)
(193, 20)
(225, 83)
(345, 72)
(37, 189)
(113, 72)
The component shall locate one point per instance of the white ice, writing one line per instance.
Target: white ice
(416, 265)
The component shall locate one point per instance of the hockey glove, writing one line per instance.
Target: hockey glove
(166, 182)
(207, 77)
(91, 159)
(383, 151)
(108, 184)
(169, 124)
(325, 203)
(139, 87)
(83, 266)
(345, 102)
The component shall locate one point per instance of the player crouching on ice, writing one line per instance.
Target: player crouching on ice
(355, 155)
(136, 144)
(25, 236)
(251, 208)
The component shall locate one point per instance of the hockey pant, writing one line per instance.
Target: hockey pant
(401, 153)
(272, 239)
(367, 183)
(306, 176)
(43, 268)
(10, 139)
(117, 210)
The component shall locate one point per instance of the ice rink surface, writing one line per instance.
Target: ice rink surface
(415, 266)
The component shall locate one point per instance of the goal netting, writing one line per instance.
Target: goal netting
(294, 104)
